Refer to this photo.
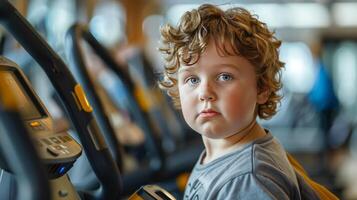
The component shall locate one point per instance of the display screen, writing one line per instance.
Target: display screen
(25, 105)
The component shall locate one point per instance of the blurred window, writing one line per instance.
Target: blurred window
(299, 73)
(108, 23)
(314, 15)
(345, 73)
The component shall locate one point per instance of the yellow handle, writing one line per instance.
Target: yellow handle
(81, 96)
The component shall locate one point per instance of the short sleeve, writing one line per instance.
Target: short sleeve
(248, 186)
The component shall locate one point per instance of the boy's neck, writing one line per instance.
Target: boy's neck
(216, 148)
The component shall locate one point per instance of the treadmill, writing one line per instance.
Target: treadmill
(57, 151)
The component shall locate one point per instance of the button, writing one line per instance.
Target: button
(63, 193)
(52, 151)
(55, 140)
(35, 124)
(57, 147)
(62, 138)
(67, 138)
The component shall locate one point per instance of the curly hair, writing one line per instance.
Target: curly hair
(236, 27)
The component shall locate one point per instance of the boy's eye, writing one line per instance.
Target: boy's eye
(192, 80)
(224, 77)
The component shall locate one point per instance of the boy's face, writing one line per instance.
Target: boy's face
(218, 94)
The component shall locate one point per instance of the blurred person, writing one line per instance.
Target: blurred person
(323, 97)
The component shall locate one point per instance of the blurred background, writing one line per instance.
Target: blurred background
(317, 118)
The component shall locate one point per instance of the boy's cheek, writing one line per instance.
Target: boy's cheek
(187, 116)
(187, 107)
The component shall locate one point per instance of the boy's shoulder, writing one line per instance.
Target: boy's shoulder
(271, 166)
(262, 157)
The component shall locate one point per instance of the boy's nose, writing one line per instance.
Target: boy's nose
(206, 98)
(206, 93)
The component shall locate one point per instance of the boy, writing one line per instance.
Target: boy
(223, 70)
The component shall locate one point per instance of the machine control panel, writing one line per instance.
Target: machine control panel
(59, 150)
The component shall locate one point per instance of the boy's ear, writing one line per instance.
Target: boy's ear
(263, 96)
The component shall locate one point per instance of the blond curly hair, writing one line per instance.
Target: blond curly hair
(236, 27)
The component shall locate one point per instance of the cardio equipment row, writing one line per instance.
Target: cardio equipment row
(59, 151)
(161, 166)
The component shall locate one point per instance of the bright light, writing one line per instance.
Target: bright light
(299, 73)
(108, 22)
(344, 14)
(264, 13)
(106, 30)
(60, 18)
(346, 70)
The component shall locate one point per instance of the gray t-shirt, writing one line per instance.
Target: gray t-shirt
(259, 170)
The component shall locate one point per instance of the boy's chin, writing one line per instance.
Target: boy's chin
(212, 131)
(214, 135)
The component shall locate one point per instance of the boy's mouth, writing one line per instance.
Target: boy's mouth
(208, 113)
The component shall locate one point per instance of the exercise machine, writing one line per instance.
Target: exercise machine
(79, 111)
